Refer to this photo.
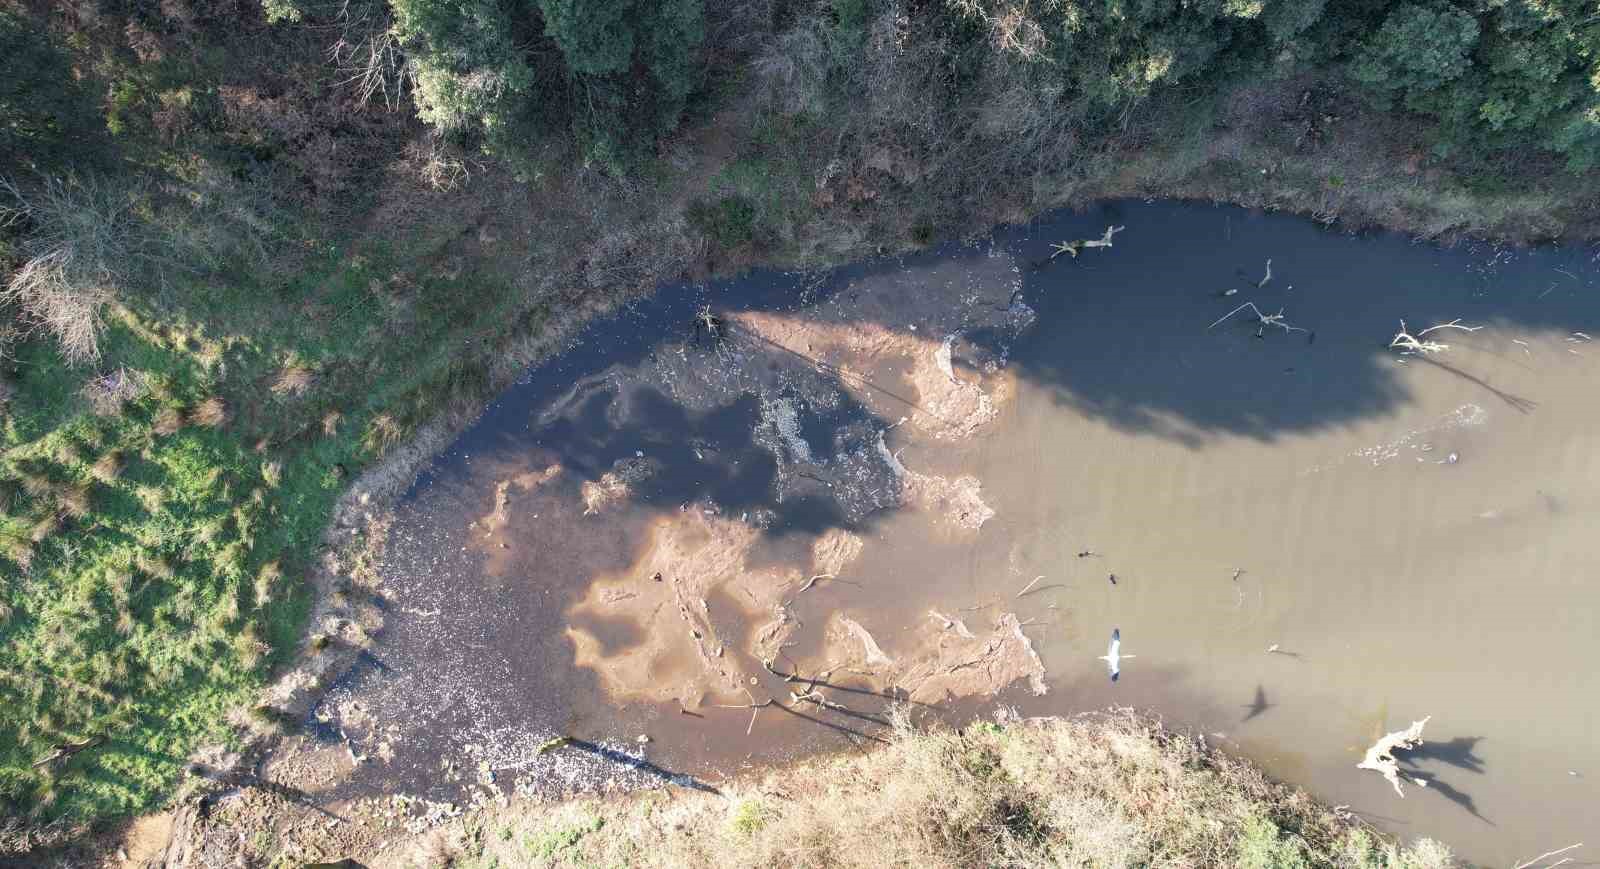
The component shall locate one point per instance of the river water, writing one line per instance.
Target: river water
(625, 544)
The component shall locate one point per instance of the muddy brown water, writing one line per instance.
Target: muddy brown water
(1414, 535)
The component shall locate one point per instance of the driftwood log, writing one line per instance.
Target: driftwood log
(1380, 757)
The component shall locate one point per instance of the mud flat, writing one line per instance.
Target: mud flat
(740, 523)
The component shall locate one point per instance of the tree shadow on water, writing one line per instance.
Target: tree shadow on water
(1135, 341)
(1460, 753)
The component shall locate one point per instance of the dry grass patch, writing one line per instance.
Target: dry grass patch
(294, 381)
(108, 393)
(168, 420)
(1109, 790)
(107, 467)
(211, 413)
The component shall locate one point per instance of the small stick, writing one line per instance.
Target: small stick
(1453, 324)
(813, 581)
(981, 606)
(1029, 585)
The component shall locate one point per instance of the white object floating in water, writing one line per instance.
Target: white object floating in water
(1113, 656)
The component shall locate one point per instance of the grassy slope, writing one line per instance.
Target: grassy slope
(163, 542)
(1114, 790)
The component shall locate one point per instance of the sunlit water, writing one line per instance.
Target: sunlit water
(1408, 532)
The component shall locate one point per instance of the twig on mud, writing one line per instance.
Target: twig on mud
(981, 606)
(1409, 344)
(815, 696)
(1527, 863)
(1029, 585)
(1265, 320)
(754, 707)
(813, 581)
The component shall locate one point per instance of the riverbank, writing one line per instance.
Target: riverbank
(1113, 789)
(239, 412)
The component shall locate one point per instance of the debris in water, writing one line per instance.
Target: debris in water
(1113, 656)
(1380, 757)
(1409, 344)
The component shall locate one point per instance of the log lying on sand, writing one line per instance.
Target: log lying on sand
(1380, 756)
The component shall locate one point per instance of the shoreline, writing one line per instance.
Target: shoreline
(369, 497)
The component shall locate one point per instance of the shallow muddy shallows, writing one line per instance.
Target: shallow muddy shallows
(761, 518)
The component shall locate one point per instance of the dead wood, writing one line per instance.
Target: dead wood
(1380, 757)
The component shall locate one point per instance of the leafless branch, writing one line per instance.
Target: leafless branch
(1409, 344)
(1264, 319)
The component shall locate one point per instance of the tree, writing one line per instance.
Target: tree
(469, 73)
(1418, 49)
(1497, 76)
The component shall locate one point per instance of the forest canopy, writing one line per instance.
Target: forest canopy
(1488, 74)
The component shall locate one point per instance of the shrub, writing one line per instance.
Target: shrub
(729, 221)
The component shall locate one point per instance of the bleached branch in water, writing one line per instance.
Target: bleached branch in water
(1263, 282)
(1408, 343)
(1380, 757)
(1074, 247)
(1265, 319)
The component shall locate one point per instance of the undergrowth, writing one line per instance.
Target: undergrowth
(1115, 790)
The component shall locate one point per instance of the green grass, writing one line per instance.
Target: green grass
(152, 577)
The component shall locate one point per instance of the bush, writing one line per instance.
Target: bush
(729, 221)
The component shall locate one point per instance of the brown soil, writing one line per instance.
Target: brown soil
(679, 655)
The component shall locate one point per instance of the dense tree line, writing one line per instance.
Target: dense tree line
(1489, 75)
(612, 76)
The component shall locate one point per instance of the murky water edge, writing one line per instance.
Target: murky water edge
(908, 485)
